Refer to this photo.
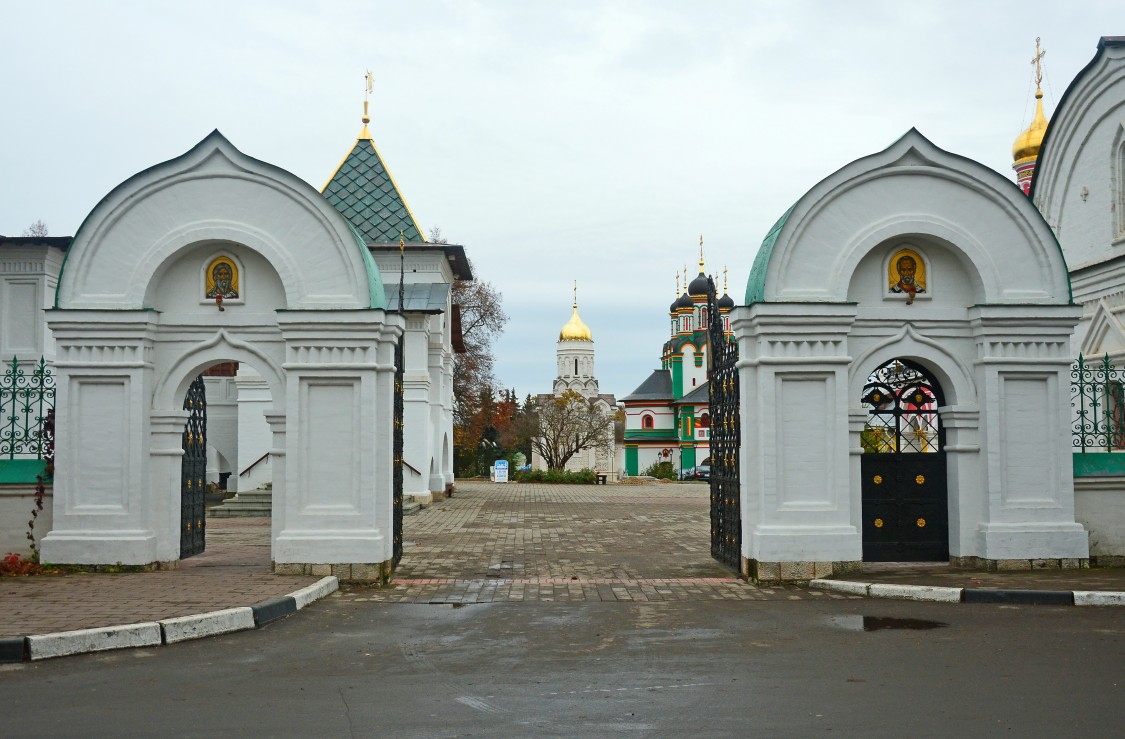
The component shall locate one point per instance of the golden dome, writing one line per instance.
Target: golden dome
(575, 329)
(1028, 142)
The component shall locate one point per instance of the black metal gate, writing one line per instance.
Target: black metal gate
(397, 490)
(726, 516)
(905, 503)
(193, 472)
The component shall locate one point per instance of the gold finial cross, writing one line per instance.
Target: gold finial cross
(401, 242)
(369, 83)
(576, 293)
(724, 279)
(1036, 60)
(701, 253)
(677, 283)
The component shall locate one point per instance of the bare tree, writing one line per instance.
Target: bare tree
(566, 424)
(37, 229)
(482, 322)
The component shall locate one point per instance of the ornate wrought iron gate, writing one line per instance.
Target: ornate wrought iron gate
(726, 516)
(905, 504)
(397, 492)
(193, 472)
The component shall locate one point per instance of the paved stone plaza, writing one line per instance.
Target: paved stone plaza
(533, 542)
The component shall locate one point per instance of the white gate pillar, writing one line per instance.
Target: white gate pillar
(1024, 364)
(797, 518)
(338, 504)
(102, 508)
(166, 453)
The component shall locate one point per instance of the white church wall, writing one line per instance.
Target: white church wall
(222, 428)
(17, 501)
(254, 437)
(28, 276)
(1099, 505)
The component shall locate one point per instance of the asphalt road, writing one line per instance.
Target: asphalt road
(701, 669)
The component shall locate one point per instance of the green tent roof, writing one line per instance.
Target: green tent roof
(365, 193)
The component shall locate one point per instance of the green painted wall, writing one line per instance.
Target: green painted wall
(1105, 464)
(687, 457)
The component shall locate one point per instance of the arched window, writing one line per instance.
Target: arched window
(705, 420)
(576, 367)
(703, 317)
(646, 421)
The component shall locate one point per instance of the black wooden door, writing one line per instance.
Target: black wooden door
(905, 500)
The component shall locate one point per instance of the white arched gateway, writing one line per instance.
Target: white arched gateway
(214, 257)
(904, 362)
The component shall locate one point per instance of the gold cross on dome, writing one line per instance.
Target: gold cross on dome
(1036, 60)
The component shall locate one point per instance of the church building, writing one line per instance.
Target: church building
(574, 355)
(667, 418)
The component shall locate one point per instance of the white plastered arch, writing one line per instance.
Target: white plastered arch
(922, 190)
(955, 378)
(172, 382)
(139, 226)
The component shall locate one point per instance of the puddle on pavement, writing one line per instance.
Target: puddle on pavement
(882, 623)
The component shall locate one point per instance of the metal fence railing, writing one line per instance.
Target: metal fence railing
(1098, 399)
(27, 394)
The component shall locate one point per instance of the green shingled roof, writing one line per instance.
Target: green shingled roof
(365, 193)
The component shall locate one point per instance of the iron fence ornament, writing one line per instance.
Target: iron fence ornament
(1098, 400)
(25, 399)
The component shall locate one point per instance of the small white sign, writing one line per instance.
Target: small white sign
(501, 470)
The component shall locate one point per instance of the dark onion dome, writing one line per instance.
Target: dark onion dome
(726, 302)
(698, 286)
(675, 304)
(685, 301)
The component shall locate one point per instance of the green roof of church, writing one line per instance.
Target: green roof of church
(363, 190)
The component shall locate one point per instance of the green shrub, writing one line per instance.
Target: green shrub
(581, 477)
(661, 471)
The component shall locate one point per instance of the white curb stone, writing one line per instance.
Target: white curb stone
(207, 624)
(62, 643)
(915, 592)
(315, 592)
(841, 586)
(1096, 598)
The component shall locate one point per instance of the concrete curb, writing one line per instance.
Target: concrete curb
(315, 592)
(207, 624)
(972, 595)
(63, 643)
(166, 631)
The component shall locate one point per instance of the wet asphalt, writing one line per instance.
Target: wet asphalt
(708, 668)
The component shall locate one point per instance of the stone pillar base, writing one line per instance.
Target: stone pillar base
(423, 499)
(1017, 565)
(136, 548)
(377, 573)
(772, 573)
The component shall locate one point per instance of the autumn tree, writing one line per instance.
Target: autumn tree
(561, 426)
(474, 381)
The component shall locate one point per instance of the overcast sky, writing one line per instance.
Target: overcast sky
(556, 141)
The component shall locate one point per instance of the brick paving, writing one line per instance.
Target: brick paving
(490, 543)
(532, 542)
(234, 571)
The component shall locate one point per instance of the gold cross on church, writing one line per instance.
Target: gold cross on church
(1036, 60)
